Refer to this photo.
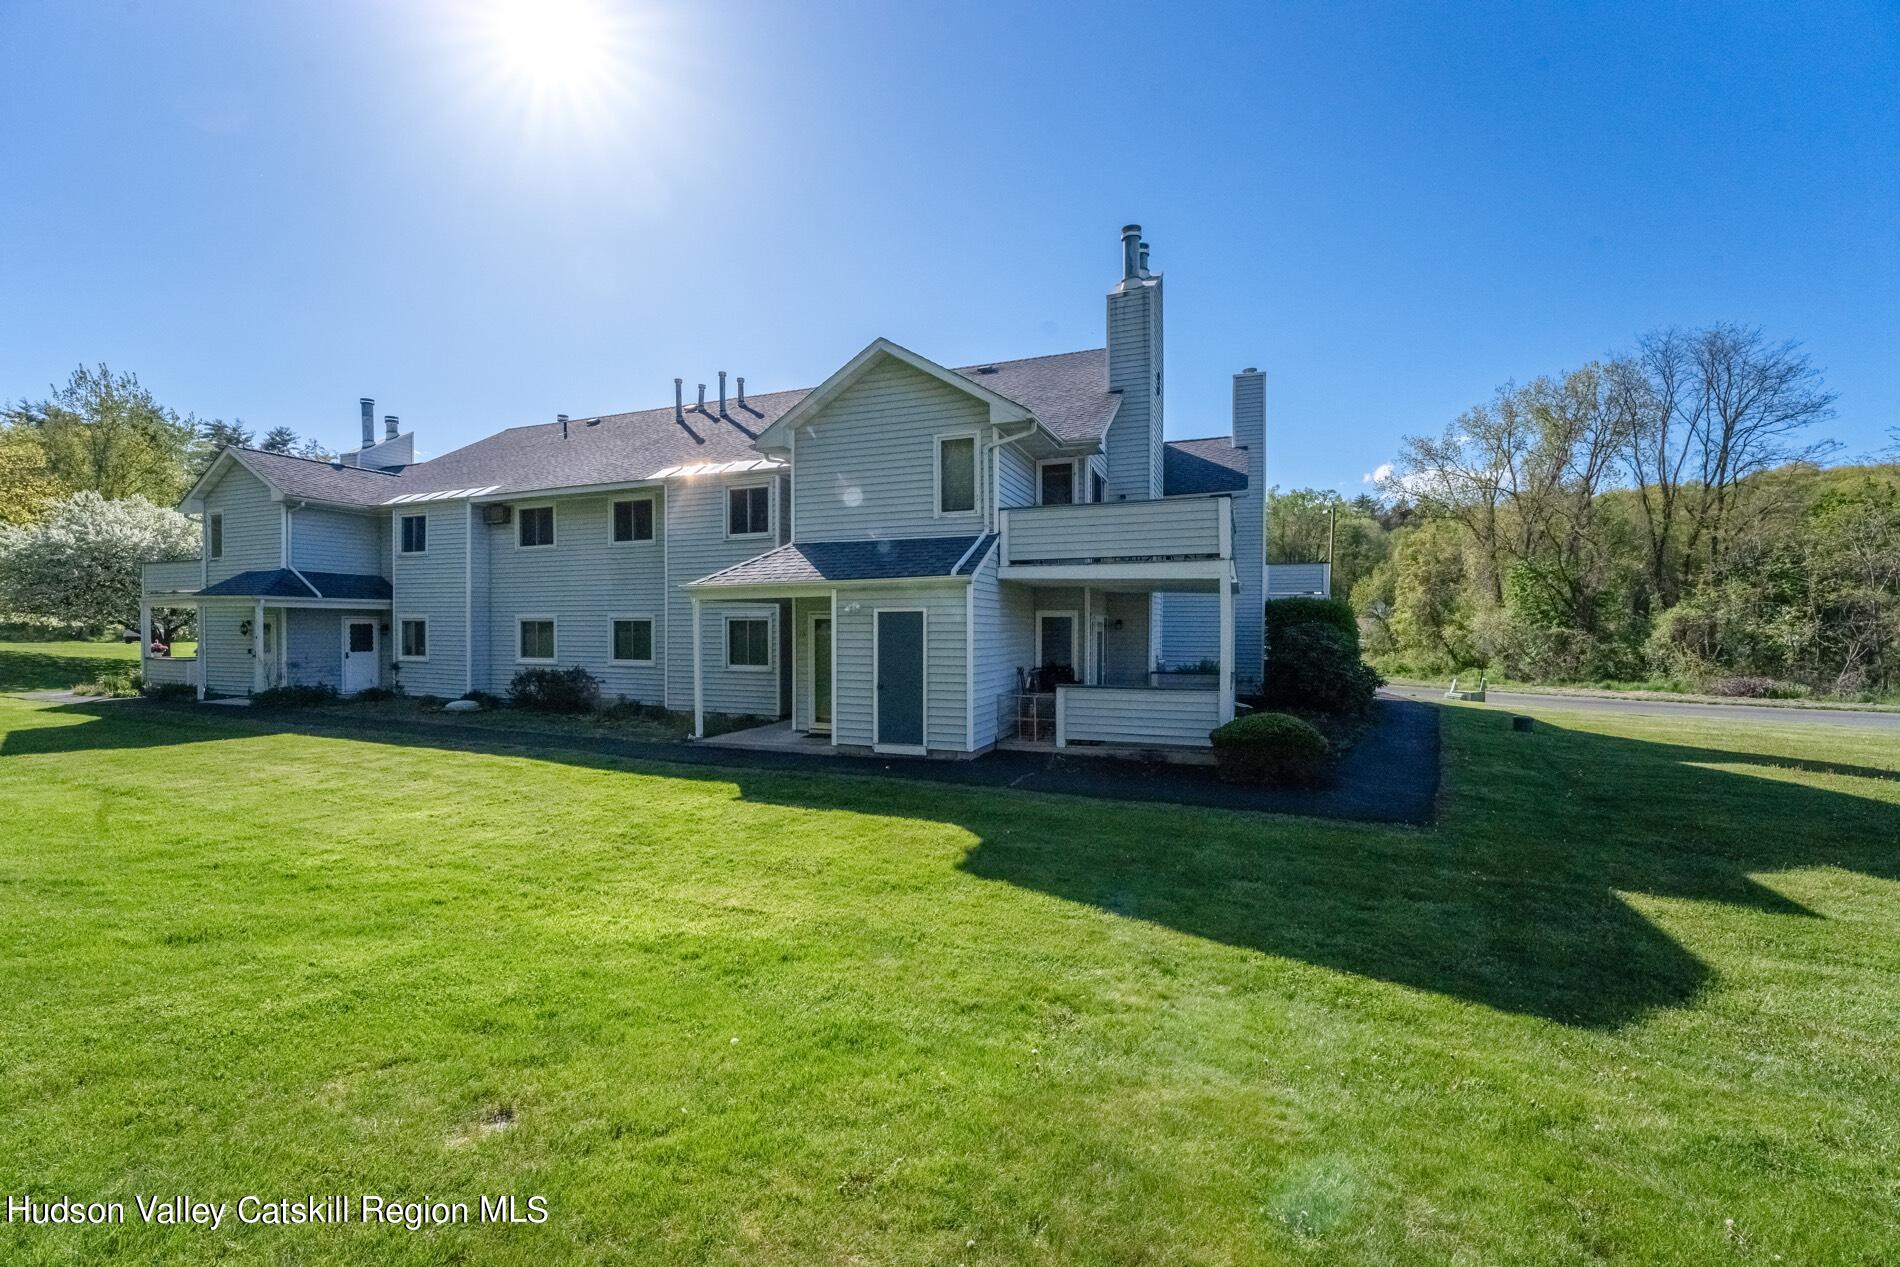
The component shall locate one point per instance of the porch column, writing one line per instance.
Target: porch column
(257, 646)
(699, 678)
(1226, 652)
(198, 664)
(1087, 676)
(145, 629)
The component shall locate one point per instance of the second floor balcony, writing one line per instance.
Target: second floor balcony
(1176, 537)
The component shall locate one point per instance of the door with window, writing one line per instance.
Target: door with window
(821, 674)
(360, 668)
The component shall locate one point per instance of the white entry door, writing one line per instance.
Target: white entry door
(359, 656)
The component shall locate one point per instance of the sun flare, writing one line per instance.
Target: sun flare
(569, 67)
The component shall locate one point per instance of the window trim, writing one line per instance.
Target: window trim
(976, 473)
(1075, 485)
(401, 656)
(771, 509)
(403, 519)
(214, 535)
(1075, 620)
(554, 528)
(614, 503)
(653, 639)
(770, 621)
(1098, 487)
(554, 631)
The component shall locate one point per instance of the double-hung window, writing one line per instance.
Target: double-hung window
(534, 528)
(536, 635)
(748, 642)
(633, 520)
(956, 475)
(749, 511)
(415, 534)
(415, 640)
(632, 640)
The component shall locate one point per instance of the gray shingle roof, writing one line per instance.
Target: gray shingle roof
(1068, 392)
(284, 583)
(1212, 465)
(886, 559)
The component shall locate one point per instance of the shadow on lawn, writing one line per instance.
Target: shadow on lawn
(1515, 903)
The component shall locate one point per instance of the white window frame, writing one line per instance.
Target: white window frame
(400, 521)
(1075, 619)
(976, 474)
(1076, 489)
(214, 535)
(770, 620)
(416, 620)
(771, 510)
(614, 502)
(554, 525)
(1097, 495)
(554, 626)
(653, 639)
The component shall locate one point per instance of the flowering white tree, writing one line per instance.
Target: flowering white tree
(80, 563)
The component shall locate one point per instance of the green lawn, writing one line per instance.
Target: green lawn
(1635, 1000)
(56, 666)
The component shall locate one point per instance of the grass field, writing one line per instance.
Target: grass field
(56, 666)
(1634, 1000)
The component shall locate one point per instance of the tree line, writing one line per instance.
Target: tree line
(89, 474)
(1666, 515)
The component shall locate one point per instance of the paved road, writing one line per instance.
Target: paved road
(1606, 704)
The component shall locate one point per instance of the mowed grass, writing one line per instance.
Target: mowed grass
(58, 666)
(1634, 1000)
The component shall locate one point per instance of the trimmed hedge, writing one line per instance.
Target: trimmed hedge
(1313, 668)
(1275, 749)
(294, 696)
(572, 690)
(1291, 613)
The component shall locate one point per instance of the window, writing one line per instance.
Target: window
(537, 638)
(748, 643)
(749, 511)
(216, 533)
(535, 527)
(415, 534)
(633, 520)
(414, 644)
(633, 640)
(1058, 483)
(956, 475)
(1098, 487)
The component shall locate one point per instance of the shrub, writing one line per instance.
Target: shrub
(115, 685)
(1270, 748)
(1313, 667)
(170, 690)
(487, 699)
(1284, 614)
(376, 694)
(294, 696)
(572, 690)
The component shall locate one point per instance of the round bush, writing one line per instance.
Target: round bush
(572, 690)
(1285, 614)
(1274, 749)
(1312, 667)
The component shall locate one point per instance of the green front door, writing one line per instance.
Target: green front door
(821, 673)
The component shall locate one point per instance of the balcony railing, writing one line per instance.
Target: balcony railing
(171, 578)
(1164, 529)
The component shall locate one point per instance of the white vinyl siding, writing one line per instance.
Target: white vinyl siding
(253, 525)
(1190, 629)
(694, 521)
(944, 666)
(429, 587)
(865, 463)
(323, 540)
(1138, 716)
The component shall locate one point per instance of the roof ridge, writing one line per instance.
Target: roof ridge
(1020, 360)
(328, 463)
(1201, 440)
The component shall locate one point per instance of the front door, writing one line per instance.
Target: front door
(1055, 651)
(899, 724)
(821, 673)
(359, 655)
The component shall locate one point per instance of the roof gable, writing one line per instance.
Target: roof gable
(776, 437)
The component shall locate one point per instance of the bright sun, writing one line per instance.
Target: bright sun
(566, 66)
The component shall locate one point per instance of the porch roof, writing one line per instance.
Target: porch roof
(841, 562)
(286, 583)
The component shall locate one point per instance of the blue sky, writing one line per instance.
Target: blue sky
(268, 210)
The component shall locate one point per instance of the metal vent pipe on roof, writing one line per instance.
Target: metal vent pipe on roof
(702, 398)
(390, 426)
(1131, 251)
(1144, 259)
(742, 391)
(369, 421)
(562, 419)
(679, 400)
(722, 393)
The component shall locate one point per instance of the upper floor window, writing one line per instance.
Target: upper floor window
(214, 531)
(956, 475)
(749, 511)
(633, 520)
(415, 534)
(535, 527)
(1098, 487)
(1058, 483)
